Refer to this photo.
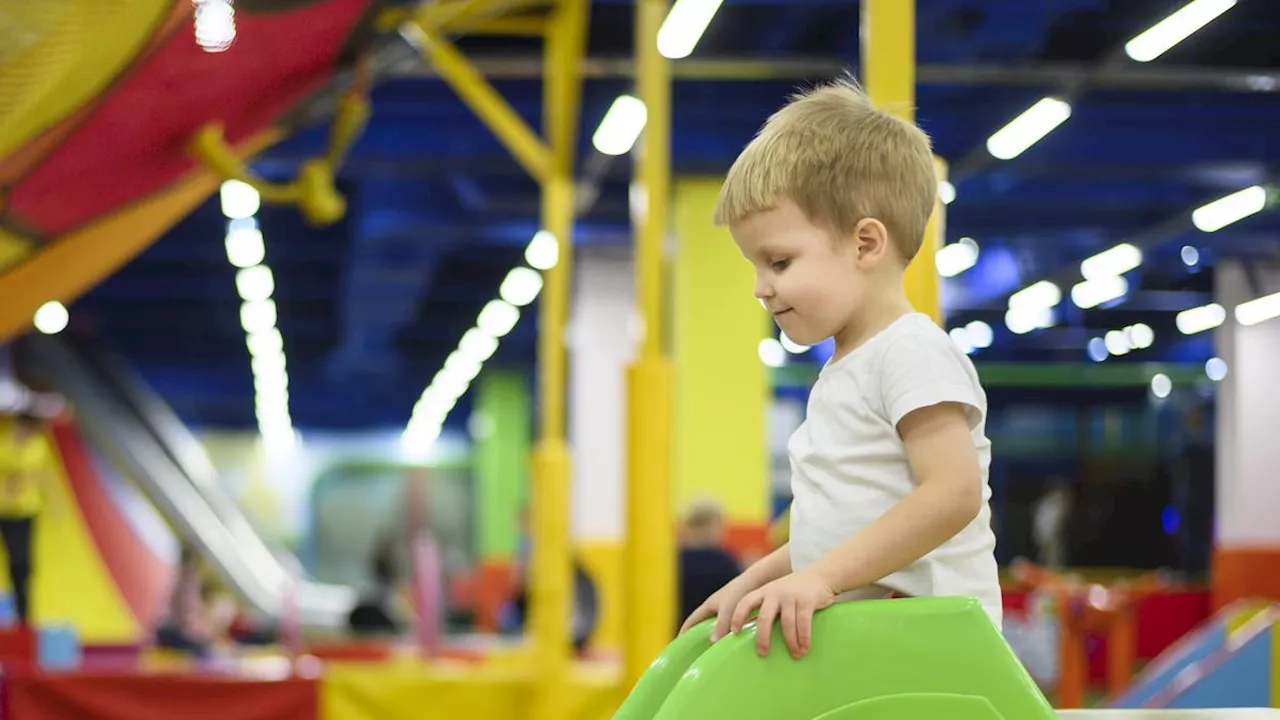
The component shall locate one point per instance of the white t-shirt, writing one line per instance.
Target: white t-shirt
(849, 465)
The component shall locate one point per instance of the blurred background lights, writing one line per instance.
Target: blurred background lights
(1215, 369)
(791, 346)
(1161, 385)
(772, 353)
(51, 318)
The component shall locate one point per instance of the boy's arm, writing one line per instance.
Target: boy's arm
(770, 567)
(948, 497)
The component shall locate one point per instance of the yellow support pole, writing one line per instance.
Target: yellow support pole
(553, 574)
(923, 285)
(550, 162)
(649, 573)
(488, 105)
(889, 74)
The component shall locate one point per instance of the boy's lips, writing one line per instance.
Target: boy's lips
(778, 313)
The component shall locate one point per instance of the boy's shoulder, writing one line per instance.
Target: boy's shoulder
(915, 330)
(911, 364)
(912, 340)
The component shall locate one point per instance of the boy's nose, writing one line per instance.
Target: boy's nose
(762, 290)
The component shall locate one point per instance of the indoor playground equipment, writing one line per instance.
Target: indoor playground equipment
(1083, 609)
(101, 560)
(901, 658)
(935, 657)
(77, 209)
(149, 443)
(1231, 660)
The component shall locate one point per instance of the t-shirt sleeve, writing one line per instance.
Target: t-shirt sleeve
(921, 372)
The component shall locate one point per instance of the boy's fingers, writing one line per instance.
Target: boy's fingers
(740, 613)
(702, 613)
(764, 624)
(789, 627)
(723, 620)
(804, 627)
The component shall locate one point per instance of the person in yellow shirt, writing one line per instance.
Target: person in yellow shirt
(24, 461)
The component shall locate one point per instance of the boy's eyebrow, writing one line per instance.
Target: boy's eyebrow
(774, 247)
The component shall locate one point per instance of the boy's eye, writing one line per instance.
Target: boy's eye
(780, 265)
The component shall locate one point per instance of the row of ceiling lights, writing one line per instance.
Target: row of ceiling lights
(1116, 343)
(497, 318)
(1032, 307)
(1048, 113)
(255, 283)
(971, 337)
(1104, 281)
(616, 135)
(773, 352)
(687, 21)
(683, 27)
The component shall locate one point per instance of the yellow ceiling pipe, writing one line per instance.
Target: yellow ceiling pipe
(313, 190)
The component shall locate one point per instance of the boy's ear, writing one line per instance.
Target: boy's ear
(871, 239)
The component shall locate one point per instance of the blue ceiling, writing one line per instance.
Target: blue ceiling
(438, 210)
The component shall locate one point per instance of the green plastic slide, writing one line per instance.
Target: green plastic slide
(900, 659)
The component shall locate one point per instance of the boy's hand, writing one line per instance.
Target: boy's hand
(794, 598)
(720, 606)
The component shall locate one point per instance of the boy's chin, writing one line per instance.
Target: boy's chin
(803, 339)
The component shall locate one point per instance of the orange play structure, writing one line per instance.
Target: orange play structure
(1086, 609)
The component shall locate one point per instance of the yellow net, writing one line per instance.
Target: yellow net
(57, 55)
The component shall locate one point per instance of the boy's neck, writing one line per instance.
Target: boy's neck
(881, 312)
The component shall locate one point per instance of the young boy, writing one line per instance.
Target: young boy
(889, 470)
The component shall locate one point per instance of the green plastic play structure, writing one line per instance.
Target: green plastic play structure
(900, 659)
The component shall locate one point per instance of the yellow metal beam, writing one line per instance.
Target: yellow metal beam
(889, 74)
(650, 547)
(566, 46)
(488, 105)
(551, 598)
(516, 26)
(461, 16)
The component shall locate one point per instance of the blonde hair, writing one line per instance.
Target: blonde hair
(841, 160)
(703, 514)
